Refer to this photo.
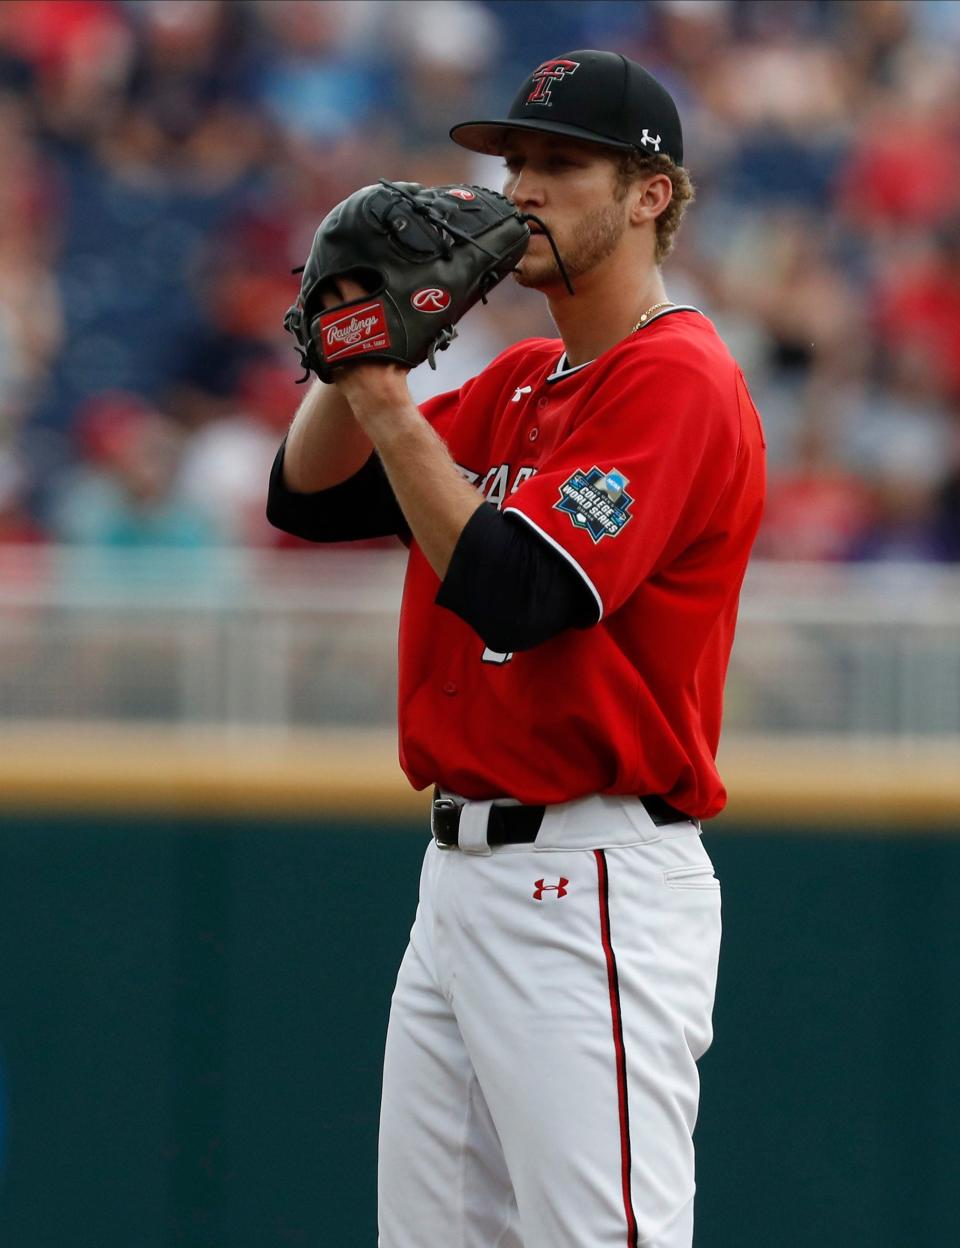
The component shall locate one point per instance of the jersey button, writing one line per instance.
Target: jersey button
(533, 434)
(449, 688)
(542, 403)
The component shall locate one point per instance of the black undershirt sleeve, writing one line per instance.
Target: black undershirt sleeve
(512, 588)
(362, 507)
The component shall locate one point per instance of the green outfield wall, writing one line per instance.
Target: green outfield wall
(192, 1013)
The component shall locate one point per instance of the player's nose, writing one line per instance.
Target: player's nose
(525, 190)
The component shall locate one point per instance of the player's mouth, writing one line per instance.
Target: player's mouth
(538, 227)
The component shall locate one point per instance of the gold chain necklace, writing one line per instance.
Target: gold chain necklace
(664, 303)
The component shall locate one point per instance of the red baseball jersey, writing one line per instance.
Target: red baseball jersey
(645, 470)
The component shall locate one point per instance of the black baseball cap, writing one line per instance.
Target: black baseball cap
(600, 97)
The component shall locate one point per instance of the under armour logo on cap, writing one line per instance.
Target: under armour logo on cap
(540, 888)
(648, 138)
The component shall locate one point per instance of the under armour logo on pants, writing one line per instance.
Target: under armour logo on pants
(541, 888)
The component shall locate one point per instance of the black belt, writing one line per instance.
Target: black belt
(519, 825)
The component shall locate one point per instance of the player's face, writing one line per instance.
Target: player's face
(572, 187)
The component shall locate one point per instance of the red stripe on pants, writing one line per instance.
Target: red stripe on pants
(613, 984)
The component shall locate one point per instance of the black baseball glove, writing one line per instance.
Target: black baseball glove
(425, 256)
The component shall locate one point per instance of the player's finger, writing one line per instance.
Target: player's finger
(350, 289)
(341, 290)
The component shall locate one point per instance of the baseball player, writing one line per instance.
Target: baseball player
(579, 518)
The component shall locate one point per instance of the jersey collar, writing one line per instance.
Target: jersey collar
(562, 369)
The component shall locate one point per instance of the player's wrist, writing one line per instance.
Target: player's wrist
(390, 425)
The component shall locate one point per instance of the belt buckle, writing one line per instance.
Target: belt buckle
(441, 803)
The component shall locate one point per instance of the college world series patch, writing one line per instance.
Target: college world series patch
(596, 501)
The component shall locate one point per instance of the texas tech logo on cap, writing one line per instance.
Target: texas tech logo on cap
(547, 73)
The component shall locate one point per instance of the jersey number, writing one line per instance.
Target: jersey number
(494, 656)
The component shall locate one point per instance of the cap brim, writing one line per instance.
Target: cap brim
(488, 136)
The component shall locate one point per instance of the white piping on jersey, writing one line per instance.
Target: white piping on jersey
(566, 554)
(562, 370)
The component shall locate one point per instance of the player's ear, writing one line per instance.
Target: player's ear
(650, 197)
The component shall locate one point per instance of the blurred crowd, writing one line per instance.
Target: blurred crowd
(165, 163)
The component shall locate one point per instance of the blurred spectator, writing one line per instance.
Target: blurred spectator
(438, 41)
(904, 522)
(229, 459)
(320, 81)
(947, 517)
(816, 509)
(241, 295)
(124, 490)
(17, 526)
(186, 117)
(79, 54)
(30, 314)
(918, 317)
(903, 172)
(947, 500)
(778, 272)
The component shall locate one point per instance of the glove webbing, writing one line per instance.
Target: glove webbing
(434, 217)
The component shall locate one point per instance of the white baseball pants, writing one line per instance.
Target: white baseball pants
(540, 1086)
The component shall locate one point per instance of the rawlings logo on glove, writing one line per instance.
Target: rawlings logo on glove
(425, 256)
(357, 332)
(431, 299)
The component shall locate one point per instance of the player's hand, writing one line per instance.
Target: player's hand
(372, 390)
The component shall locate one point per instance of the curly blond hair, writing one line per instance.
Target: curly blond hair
(631, 166)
